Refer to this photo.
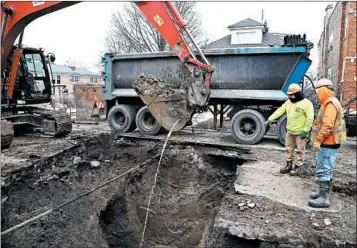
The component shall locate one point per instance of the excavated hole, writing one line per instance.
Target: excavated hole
(185, 202)
(190, 187)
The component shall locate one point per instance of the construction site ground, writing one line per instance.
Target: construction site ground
(210, 192)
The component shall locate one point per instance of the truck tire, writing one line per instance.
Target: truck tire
(121, 118)
(281, 129)
(146, 123)
(247, 126)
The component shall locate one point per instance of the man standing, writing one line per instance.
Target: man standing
(328, 132)
(300, 116)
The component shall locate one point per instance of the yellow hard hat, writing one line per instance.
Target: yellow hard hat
(293, 88)
(323, 82)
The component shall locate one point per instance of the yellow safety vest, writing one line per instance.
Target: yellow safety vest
(339, 129)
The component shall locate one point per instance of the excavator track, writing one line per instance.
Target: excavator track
(41, 122)
(55, 123)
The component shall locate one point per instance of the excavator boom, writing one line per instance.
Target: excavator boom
(166, 109)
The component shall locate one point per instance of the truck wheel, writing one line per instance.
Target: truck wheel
(247, 126)
(146, 123)
(121, 118)
(281, 129)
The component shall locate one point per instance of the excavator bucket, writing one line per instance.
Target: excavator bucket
(167, 105)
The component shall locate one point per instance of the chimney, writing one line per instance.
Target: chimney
(266, 28)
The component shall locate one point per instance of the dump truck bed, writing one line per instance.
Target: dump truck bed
(243, 73)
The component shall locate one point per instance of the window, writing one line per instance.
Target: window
(247, 37)
(54, 78)
(94, 80)
(74, 79)
(58, 79)
(35, 64)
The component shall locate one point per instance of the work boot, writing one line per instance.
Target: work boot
(287, 168)
(315, 194)
(323, 200)
(298, 171)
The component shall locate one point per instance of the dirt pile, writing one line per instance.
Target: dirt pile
(187, 197)
(153, 86)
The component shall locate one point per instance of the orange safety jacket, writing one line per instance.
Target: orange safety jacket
(329, 127)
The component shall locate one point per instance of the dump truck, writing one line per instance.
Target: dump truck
(252, 80)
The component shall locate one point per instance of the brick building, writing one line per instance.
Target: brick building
(337, 49)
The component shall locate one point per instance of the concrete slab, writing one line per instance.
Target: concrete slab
(262, 178)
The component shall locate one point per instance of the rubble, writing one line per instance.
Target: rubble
(76, 160)
(251, 205)
(94, 164)
(327, 222)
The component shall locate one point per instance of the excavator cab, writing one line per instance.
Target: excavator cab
(33, 79)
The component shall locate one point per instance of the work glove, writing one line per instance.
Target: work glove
(304, 135)
(268, 123)
(317, 147)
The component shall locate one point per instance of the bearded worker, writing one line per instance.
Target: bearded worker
(300, 116)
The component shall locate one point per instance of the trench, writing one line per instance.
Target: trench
(190, 187)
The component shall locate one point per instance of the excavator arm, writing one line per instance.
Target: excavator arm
(177, 107)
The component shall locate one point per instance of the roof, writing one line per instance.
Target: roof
(246, 23)
(269, 39)
(63, 69)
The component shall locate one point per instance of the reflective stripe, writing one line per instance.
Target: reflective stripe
(339, 130)
(335, 130)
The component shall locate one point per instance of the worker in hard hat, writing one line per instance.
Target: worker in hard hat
(300, 116)
(328, 132)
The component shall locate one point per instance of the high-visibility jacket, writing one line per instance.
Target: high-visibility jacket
(300, 115)
(329, 126)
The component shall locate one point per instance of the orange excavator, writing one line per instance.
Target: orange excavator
(26, 76)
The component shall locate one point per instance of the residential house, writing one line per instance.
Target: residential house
(66, 76)
(248, 33)
(337, 49)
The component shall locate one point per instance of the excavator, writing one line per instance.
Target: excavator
(26, 75)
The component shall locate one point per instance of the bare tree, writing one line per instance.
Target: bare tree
(132, 32)
(71, 62)
(204, 44)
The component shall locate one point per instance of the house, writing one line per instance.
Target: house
(337, 49)
(66, 76)
(248, 33)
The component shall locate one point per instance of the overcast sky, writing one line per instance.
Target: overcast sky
(78, 32)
